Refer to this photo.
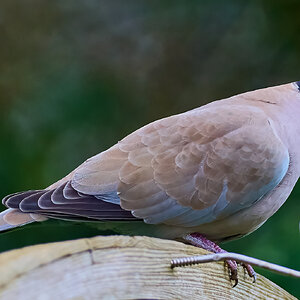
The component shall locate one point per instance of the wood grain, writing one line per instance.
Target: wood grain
(121, 267)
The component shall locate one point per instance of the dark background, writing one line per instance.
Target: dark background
(77, 76)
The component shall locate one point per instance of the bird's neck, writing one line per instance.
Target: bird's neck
(286, 122)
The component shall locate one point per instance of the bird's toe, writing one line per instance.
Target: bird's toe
(250, 271)
(233, 271)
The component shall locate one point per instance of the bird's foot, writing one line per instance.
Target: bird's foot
(250, 271)
(198, 240)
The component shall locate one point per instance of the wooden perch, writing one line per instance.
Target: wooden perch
(121, 267)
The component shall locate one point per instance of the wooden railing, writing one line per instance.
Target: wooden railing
(121, 267)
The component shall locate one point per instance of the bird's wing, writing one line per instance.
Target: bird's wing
(190, 168)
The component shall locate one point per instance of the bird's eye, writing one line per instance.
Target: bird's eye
(298, 84)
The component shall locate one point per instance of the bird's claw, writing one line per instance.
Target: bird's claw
(233, 274)
(233, 271)
(236, 281)
(250, 271)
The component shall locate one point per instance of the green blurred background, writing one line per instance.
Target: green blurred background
(77, 76)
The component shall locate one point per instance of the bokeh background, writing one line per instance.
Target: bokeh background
(77, 76)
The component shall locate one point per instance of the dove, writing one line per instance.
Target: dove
(205, 176)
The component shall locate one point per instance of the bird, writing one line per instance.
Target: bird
(209, 175)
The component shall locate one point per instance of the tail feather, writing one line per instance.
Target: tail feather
(62, 202)
(12, 218)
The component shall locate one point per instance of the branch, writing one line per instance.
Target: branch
(192, 260)
(121, 267)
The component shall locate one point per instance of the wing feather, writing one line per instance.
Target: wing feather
(52, 203)
(191, 168)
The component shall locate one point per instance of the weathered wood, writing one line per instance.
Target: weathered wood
(121, 267)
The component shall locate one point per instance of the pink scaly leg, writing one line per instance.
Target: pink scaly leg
(198, 240)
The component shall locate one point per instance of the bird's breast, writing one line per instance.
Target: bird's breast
(251, 218)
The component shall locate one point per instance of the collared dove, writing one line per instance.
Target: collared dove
(214, 173)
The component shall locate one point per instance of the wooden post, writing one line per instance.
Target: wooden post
(121, 267)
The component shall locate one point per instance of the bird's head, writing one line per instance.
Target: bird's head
(285, 95)
(297, 84)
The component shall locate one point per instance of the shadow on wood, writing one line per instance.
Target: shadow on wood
(121, 267)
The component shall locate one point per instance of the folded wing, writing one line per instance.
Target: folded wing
(189, 169)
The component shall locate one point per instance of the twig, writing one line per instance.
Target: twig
(192, 260)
